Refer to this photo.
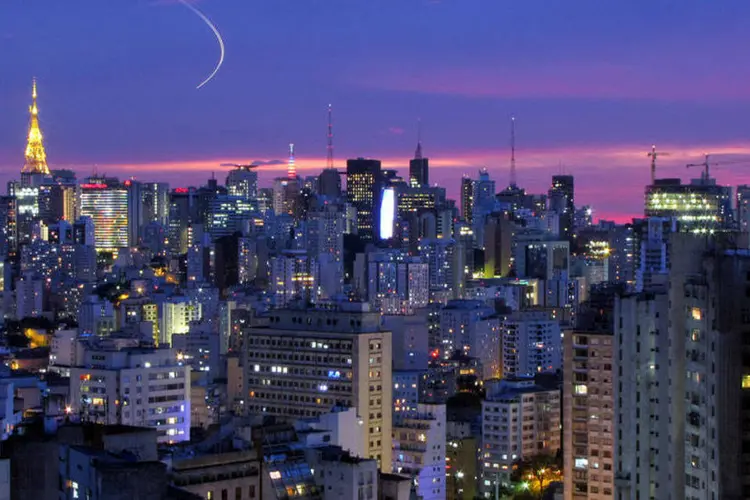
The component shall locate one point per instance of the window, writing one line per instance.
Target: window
(695, 312)
(746, 381)
(580, 389)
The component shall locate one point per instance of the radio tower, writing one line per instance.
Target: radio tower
(291, 168)
(513, 152)
(329, 161)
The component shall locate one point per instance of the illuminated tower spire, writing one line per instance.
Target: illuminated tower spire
(513, 151)
(291, 169)
(36, 158)
(329, 161)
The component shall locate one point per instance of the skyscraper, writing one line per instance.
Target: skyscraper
(419, 168)
(701, 206)
(329, 183)
(105, 201)
(243, 182)
(562, 201)
(363, 186)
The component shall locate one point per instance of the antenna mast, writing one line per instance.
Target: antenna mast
(329, 161)
(513, 151)
(291, 168)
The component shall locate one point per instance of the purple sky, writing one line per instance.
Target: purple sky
(593, 84)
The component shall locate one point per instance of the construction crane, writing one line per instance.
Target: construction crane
(237, 165)
(706, 164)
(654, 155)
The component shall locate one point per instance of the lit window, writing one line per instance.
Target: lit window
(275, 474)
(581, 389)
(696, 313)
(746, 381)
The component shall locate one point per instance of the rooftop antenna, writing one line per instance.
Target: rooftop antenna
(513, 151)
(418, 152)
(329, 161)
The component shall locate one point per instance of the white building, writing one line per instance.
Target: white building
(62, 354)
(642, 390)
(531, 343)
(133, 386)
(419, 449)
(342, 476)
(519, 420)
(177, 314)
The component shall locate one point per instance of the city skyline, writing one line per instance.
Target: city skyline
(595, 108)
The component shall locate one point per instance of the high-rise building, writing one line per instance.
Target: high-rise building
(243, 182)
(105, 201)
(286, 192)
(743, 208)
(561, 198)
(467, 199)
(329, 183)
(293, 275)
(419, 448)
(307, 361)
(642, 392)
(325, 239)
(35, 168)
(520, 419)
(701, 206)
(133, 386)
(8, 228)
(155, 203)
(709, 368)
(588, 406)
(364, 183)
(531, 344)
(419, 169)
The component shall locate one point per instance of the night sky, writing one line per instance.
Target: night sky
(592, 83)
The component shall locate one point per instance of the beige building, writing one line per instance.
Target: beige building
(588, 406)
(305, 362)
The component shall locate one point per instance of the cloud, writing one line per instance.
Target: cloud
(262, 163)
(562, 79)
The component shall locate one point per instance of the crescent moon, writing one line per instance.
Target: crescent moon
(218, 38)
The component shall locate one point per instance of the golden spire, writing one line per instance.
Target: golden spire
(36, 158)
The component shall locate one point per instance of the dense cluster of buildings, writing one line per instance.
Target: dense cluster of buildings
(371, 339)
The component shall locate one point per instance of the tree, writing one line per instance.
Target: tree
(538, 472)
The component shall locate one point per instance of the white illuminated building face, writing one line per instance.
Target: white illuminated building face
(387, 213)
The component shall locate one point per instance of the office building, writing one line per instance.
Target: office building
(419, 169)
(364, 183)
(242, 182)
(329, 183)
(155, 203)
(561, 197)
(307, 361)
(105, 201)
(700, 207)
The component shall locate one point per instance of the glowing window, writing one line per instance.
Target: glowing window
(581, 389)
(696, 313)
(746, 381)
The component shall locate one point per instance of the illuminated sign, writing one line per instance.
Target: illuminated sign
(93, 186)
(387, 213)
(181, 190)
